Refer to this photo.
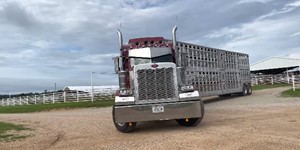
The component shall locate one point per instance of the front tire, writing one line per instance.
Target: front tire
(124, 127)
(191, 122)
(249, 90)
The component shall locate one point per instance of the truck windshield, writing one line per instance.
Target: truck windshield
(165, 58)
(136, 60)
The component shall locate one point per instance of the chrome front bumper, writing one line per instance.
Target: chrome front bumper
(174, 110)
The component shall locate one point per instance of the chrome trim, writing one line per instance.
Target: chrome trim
(160, 66)
(175, 110)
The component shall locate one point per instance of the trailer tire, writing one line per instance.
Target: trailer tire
(192, 122)
(124, 127)
(245, 90)
(249, 89)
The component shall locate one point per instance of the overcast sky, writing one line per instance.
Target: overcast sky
(61, 41)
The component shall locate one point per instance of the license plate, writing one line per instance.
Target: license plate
(158, 109)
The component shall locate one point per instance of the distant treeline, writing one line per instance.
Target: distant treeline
(26, 94)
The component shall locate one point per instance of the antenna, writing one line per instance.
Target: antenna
(120, 17)
(120, 21)
(176, 22)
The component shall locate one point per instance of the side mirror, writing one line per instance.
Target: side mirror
(117, 64)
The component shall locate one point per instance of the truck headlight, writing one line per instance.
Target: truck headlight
(187, 88)
(125, 92)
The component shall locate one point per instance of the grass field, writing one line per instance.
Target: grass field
(291, 93)
(47, 107)
(268, 86)
(4, 136)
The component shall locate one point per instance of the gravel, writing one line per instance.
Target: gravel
(263, 120)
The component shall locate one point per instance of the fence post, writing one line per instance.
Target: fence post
(7, 101)
(92, 98)
(65, 96)
(293, 79)
(111, 92)
(287, 77)
(27, 99)
(77, 95)
(53, 97)
(20, 100)
(44, 97)
(14, 101)
(34, 99)
(2, 102)
(272, 81)
(256, 80)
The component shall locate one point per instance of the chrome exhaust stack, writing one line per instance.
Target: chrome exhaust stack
(180, 69)
(174, 37)
(120, 39)
(120, 46)
(122, 73)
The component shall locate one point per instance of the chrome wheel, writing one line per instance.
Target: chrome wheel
(121, 124)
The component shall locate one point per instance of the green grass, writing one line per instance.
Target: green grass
(4, 127)
(291, 93)
(47, 107)
(268, 86)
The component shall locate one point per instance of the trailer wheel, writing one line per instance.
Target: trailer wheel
(124, 127)
(191, 122)
(249, 89)
(245, 91)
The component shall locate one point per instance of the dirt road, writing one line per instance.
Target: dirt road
(260, 121)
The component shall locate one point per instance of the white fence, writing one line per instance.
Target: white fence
(272, 79)
(296, 82)
(58, 97)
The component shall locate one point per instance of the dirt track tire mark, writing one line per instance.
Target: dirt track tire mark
(58, 138)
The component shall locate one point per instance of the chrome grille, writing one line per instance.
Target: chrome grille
(156, 84)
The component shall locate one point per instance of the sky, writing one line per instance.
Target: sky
(44, 42)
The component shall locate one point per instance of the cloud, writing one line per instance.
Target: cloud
(287, 8)
(252, 1)
(62, 41)
(295, 34)
(145, 4)
(267, 35)
(15, 14)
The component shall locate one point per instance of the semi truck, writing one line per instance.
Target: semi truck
(163, 79)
